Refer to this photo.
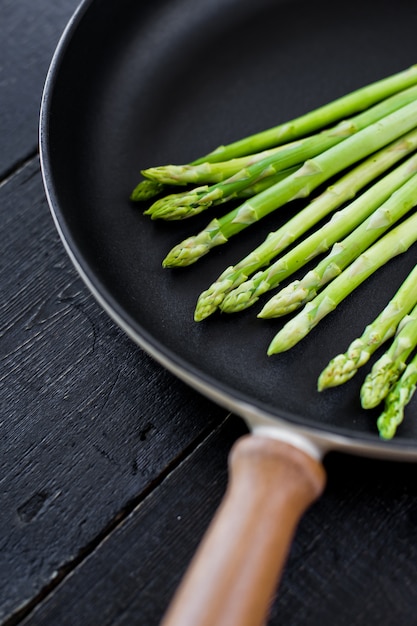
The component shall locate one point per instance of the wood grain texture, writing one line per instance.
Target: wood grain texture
(89, 422)
(354, 560)
(352, 563)
(130, 579)
(29, 32)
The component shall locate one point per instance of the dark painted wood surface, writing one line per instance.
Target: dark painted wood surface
(110, 468)
(89, 422)
(30, 29)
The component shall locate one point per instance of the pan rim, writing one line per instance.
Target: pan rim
(257, 417)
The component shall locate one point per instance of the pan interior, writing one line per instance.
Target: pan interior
(137, 84)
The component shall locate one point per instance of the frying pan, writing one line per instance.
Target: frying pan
(134, 84)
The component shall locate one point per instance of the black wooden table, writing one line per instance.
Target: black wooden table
(111, 469)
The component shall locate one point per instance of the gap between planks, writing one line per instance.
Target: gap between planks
(67, 569)
(17, 167)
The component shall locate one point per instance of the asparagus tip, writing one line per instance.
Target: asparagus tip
(145, 190)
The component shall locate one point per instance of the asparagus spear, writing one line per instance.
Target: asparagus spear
(389, 366)
(177, 206)
(297, 293)
(300, 184)
(232, 292)
(281, 156)
(357, 100)
(264, 183)
(344, 366)
(396, 401)
(207, 172)
(395, 242)
(146, 190)
(310, 122)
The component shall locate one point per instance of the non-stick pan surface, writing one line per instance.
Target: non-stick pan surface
(135, 84)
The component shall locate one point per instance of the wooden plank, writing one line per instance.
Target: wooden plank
(131, 576)
(353, 561)
(29, 32)
(89, 422)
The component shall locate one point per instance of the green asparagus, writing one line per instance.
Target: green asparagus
(387, 369)
(281, 156)
(146, 190)
(178, 206)
(344, 366)
(308, 123)
(396, 401)
(297, 293)
(204, 173)
(347, 105)
(344, 221)
(365, 137)
(395, 242)
(308, 177)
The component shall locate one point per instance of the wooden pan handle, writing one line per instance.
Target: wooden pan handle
(234, 574)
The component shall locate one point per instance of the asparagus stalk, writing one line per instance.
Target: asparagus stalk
(207, 172)
(357, 100)
(299, 292)
(300, 184)
(234, 292)
(395, 242)
(396, 401)
(389, 366)
(280, 157)
(146, 190)
(344, 366)
(176, 206)
(264, 183)
(308, 123)
(291, 130)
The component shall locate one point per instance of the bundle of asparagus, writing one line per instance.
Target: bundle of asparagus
(391, 379)
(368, 138)
(344, 366)
(233, 293)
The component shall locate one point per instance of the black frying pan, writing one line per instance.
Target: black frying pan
(135, 84)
